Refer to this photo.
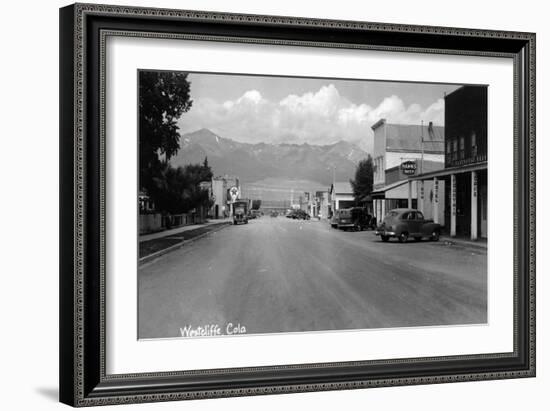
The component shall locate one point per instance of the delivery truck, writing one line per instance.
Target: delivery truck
(240, 212)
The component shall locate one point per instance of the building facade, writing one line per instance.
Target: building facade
(341, 195)
(402, 151)
(222, 196)
(465, 172)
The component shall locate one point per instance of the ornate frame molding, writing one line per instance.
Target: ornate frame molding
(83, 378)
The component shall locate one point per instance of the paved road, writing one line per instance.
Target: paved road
(281, 275)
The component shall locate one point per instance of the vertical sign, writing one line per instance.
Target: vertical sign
(420, 188)
(436, 201)
(453, 195)
(473, 223)
(453, 205)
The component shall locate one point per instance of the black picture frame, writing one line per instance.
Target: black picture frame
(83, 381)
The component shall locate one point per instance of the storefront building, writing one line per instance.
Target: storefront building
(402, 151)
(465, 172)
(221, 194)
(341, 195)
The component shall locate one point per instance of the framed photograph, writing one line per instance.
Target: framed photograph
(262, 204)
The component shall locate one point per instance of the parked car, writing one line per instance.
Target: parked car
(344, 219)
(274, 214)
(361, 219)
(334, 219)
(254, 214)
(403, 223)
(298, 215)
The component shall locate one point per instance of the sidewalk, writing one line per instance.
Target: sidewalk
(479, 245)
(179, 230)
(152, 246)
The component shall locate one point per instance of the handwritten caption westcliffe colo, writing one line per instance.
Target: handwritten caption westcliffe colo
(212, 330)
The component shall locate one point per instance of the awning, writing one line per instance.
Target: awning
(381, 193)
(450, 170)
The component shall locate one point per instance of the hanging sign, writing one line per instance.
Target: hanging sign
(408, 167)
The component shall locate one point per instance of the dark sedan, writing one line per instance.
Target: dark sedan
(404, 223)
(298, 215)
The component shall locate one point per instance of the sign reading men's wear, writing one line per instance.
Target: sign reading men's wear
(408, 167)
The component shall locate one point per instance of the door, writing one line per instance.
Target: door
(483, 211)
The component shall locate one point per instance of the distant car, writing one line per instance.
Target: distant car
(255, 214)
(274, 214)
(298, 215)
(334, 219)
(240, 214)
(403, 223)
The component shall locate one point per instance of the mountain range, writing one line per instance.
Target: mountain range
(257, 162)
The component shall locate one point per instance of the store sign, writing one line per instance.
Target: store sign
(408, 167)
(234, 193)
(453, 195)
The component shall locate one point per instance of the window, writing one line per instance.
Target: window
(474, 144)
(461, 149)
(419, 216)
(454, 156)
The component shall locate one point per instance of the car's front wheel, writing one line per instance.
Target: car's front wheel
(385, 238)
(403, 237)
(435, 236)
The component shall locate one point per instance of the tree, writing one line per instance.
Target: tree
(177, 190)
(163, 98)
(362, 184)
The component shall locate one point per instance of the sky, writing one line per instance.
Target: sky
(254, 109)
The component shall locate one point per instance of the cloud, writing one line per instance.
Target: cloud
(320, 117)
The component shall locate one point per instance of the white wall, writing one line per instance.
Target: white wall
(394, 158)
(29, 173)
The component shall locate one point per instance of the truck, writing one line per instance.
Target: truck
(240, 212)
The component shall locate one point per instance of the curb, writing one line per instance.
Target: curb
(471, 246)
(160, 253)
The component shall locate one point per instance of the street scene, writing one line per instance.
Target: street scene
(280, 205)
(285, 275)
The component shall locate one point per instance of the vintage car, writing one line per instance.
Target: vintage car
(403, 223)
(362, 220)
(342, 219)
(252, 214)
(334, 219)
(298, 215)
(355, 218)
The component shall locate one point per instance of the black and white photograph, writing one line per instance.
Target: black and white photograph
(278, 204)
